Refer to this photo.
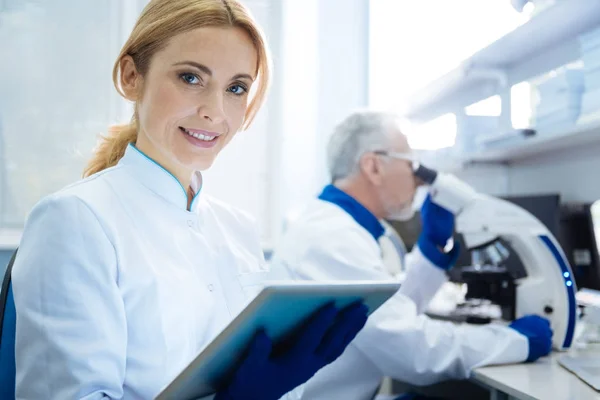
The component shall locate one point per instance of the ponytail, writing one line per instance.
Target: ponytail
(111, 148)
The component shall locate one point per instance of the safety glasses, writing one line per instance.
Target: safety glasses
(414, 162)
(397, 155)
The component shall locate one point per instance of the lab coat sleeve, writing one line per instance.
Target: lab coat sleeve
(423, 280)
(421, 351)
(71, 328)
(401, 343)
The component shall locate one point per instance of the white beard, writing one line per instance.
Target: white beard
(408, 211)
(404, 214)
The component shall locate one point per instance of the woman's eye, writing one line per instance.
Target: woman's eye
(190, 78)
(238, 90)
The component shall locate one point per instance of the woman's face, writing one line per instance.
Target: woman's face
(193, 97)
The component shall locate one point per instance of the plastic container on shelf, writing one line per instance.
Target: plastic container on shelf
(556, 102)
(568, 79)
(559, 98)
(589, 41)
(589, 44)
(591, 59)
(592, 79)
(591, 101)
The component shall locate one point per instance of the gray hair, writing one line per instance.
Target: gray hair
(360, 132)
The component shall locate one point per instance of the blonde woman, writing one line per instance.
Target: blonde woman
(122, 278)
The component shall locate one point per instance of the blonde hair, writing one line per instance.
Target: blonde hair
(159, 22)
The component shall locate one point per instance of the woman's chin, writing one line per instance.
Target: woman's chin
(202, 164)
(195, 160)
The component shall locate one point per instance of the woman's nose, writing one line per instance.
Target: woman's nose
(212, 108)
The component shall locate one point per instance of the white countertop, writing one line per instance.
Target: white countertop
(544, 379)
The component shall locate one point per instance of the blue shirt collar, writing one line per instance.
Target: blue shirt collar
(160, 181)
(361, 215)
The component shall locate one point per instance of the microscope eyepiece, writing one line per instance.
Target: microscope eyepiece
(425, 174)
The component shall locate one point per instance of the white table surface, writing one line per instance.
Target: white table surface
(544, 380)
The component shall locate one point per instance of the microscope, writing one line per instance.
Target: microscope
(494, 230)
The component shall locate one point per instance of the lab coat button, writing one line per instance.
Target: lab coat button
(190, 223)
(211, 287)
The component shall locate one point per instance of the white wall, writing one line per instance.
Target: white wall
(321, 74)
(292, 171)
(343, 67)
(573, 174)
(488, 179)
(492, 179)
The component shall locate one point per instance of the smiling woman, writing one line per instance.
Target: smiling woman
(123, 277)
(202, 95)
(190, 63)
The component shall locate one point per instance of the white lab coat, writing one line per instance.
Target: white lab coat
(326, 243)
(118, 287)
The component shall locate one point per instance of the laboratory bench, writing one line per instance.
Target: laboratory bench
(544, 379)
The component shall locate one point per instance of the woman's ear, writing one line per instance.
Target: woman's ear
(131, 80)
(372, 168)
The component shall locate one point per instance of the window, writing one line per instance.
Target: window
(57, 94)
(521, 105)
(414, 42)
(435, 134)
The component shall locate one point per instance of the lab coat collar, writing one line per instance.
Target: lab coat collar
(160, 181)
(361, 215)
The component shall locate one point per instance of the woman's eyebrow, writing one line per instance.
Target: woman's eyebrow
(208, 71)
(194, 64)
(243, 76)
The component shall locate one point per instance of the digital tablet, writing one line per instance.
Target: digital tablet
(279, 309)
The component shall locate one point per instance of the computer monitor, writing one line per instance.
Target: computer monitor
(592, 279)
(580, 229)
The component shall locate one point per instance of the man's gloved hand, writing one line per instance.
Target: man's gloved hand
(267, 376)
(538, 333)
(438, 227)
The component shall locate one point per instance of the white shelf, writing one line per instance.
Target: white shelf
(557, 26)
(542, 143)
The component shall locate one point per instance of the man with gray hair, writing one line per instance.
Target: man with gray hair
(336, 238)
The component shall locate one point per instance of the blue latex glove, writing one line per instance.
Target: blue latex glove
(437, 228)
(265, 375)
(537, 331)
